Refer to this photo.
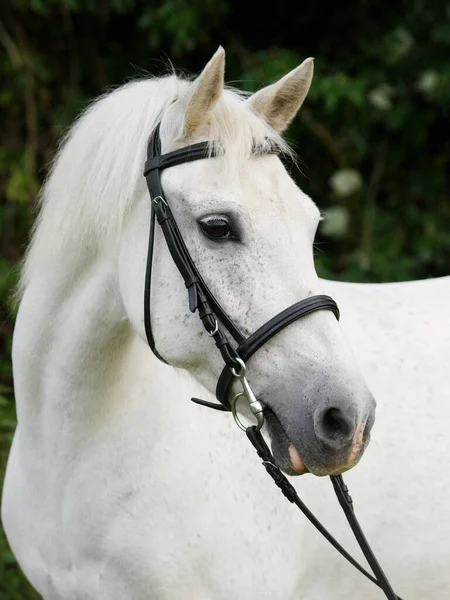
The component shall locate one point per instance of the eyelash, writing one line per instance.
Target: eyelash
(222, 226)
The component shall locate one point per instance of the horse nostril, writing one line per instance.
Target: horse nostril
(334, 427)
(335, 424)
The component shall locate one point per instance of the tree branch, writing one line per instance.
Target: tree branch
(10, 46)
(323, 134)
(368, 221)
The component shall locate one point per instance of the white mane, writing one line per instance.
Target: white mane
(98, 169)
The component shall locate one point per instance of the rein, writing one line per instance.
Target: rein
(215, 320)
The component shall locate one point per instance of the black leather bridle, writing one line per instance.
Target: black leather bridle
(215, 320)
(212, 315)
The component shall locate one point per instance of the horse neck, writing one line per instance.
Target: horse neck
(72, 349)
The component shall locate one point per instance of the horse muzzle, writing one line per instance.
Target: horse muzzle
(329, 441)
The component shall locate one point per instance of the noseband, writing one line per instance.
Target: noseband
(215, 321)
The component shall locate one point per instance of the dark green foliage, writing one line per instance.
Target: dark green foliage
(373, 136)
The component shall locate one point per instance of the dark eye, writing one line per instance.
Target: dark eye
(216, 228)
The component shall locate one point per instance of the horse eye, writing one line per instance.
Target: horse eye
(216, 228)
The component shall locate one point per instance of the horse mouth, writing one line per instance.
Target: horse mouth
(290, 461)
(286, 455)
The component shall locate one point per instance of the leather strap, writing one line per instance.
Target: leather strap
(147, 288)
(200, 297)
(262, 335)
(177, 157)
(345, 500)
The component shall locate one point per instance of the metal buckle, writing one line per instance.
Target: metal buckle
(215, 330)
(255, 405)
(159, 199)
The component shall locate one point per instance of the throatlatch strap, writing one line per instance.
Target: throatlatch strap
(148, 286)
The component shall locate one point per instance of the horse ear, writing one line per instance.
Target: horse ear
(202, 94)
(278, 104)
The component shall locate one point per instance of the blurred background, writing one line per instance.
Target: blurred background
(373, 137)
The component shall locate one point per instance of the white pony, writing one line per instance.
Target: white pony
(117, 485)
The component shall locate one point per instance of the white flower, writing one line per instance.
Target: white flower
(401, 43)
(428, 81)
(380, 97)
(345, 182)
(336, 221)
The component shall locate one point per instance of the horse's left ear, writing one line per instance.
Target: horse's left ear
(277, 104)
